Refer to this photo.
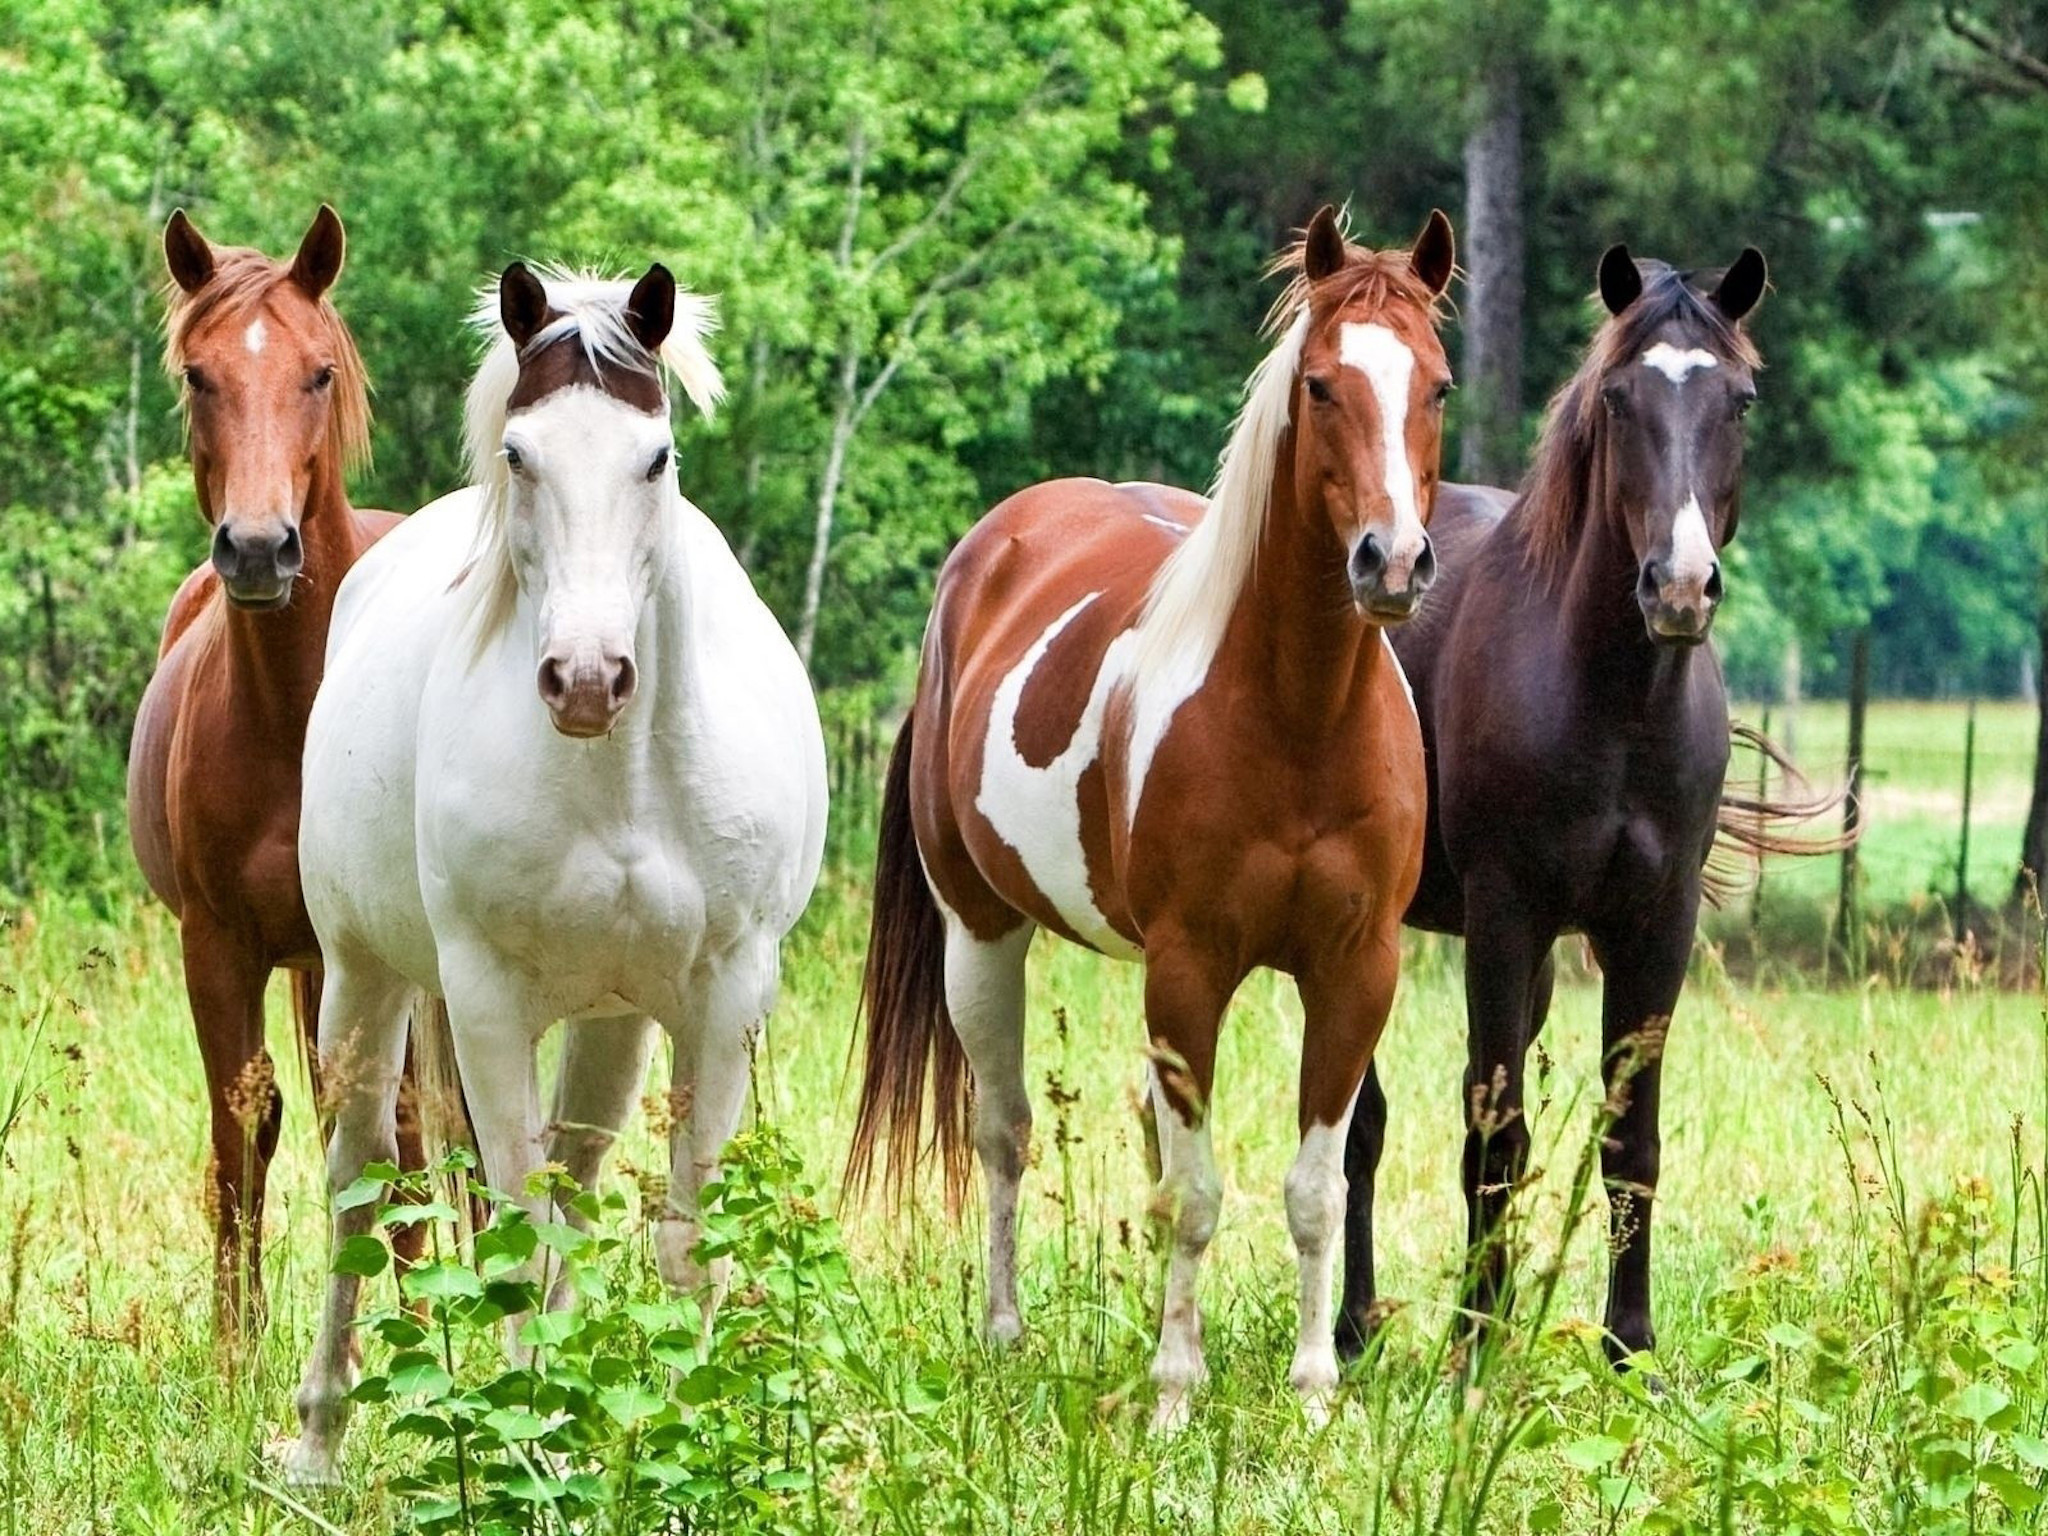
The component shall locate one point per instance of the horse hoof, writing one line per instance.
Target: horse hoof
(1176, 1406)
(304, 1463)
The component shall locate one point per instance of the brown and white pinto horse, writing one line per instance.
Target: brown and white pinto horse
(277, 409)
(1177, 734)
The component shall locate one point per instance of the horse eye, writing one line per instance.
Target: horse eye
(1616, 399)
(660, 463)
(512, 459)
(1743, 403)
(322, 379)
(195, 381)
(1318, 391)
(1443, 393)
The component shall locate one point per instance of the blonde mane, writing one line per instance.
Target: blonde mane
(593, 309)
(1196, 590)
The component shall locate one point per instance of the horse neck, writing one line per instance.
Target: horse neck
(1295, 632)
(1602, 620)
(277, 657)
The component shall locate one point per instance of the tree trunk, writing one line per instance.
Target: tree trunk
(2034, 843)
(844, 421)
(1848, 918)
(1491, 445)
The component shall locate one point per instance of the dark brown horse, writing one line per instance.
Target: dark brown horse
(277, 409)
(1175, 732)
(1577, 737)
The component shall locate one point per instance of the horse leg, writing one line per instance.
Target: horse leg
(985, 996)
(1504, 953)
(1363, 1145)
(362, 1050)
(225, 977)
(1344, 1012)
(1644, 973)
(603, 1074)
(1186, 992)
(713, 1068)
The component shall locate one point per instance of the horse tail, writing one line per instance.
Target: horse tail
(438, 1098)
(910, 1034)
(305, 1003)
(1749, 827)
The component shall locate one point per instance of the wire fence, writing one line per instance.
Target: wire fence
(1945, 790)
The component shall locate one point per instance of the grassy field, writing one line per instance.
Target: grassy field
(1850, 1282)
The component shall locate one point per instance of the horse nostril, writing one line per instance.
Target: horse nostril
(553, 686)
(1425, 565)
(1368, 560)
(1650, 586)
(624, 681)
(1713, 586)
(223, 546)
(291, 554)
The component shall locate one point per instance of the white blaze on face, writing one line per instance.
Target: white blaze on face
(1678, 363)
(1389, 366)
(254, 337)
(1692, 546)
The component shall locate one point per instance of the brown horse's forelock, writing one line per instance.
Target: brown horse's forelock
(242, 279)
(1377, 279)
(1558, 486)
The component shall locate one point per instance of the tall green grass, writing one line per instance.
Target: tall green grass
(1849, 1278)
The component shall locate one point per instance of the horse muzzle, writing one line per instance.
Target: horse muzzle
(258, 565)
(1387, 589)
(1678, 610)
(585, 694)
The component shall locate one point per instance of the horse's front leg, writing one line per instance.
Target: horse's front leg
(1644, 970)
(225, 976)
(1506, 950)
(1186, 990)
(362, 1051)
(1364, 1142)
(602, 1077)
(1345, 1004)
(714, 1037)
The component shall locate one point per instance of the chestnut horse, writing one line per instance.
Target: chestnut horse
(1577, 735)
(277, 411)
(1177, 733)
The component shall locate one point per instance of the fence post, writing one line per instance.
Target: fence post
(1756, 895)
(1962, 912)
(1848, 926)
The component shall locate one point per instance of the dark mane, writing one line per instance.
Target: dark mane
(1377, 278)
(1558, 486)
(242, 279)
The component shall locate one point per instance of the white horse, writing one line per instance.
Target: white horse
(564, 765)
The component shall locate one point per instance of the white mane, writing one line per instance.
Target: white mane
(593, 308)
(1197, 588)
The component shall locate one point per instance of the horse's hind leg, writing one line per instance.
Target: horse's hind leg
(362, 1050)
(985, 997)
(1345, 1008)
(225, 976)
(1186, 991)
(603, 1073)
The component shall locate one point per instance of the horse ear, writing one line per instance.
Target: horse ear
(1621, 283)
(1742, 285)
(186, 253)
(651, 308)
(522, 303)
(1322, 248)
(1435, 253)
(321, 253)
